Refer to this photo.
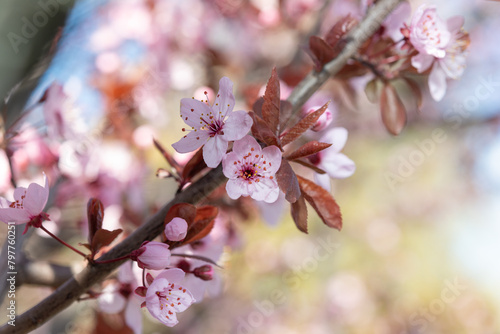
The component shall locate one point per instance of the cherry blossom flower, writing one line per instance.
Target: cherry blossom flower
(443, 44)
(55, 110)
(317, 101)
(251, 170)
(27, 206)
(335, 164)
(165, 297)
(176, 230)
(429, 35)
(213, 126)
(452, 65)
(119, 296)
(152, 255)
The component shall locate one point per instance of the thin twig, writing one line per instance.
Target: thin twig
(70, 291)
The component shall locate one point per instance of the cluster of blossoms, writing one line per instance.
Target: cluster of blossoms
(255, 149)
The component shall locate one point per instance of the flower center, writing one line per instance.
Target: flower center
(248, 174)
(430, 30)
(18, 204)
(315, 159)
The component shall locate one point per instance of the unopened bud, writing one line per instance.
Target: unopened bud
(176, 230)
(205, 272)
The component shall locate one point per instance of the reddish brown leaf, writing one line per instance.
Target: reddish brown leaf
(95, 215)
(303, 125)
(183, 210)
(417, 93)
(338, 31)
(309, 165)
(323, 202)
(285, 114)
(200, 226)
(271, 105)
(170, 159)
(257, 106)
(103, 238)
(321, 51)
(307, 149)
(195, 165)
(262, 132)
(351, 70)
(287, 181)
(299, 214)
(392, 110)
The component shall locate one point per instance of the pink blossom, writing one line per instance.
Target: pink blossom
(429, 35)
(323, 121)
(165, 297)
(452, 65)
(119, 296)
(152, 255)
(213, 126)
(251, 170)
(4, 172)
(176, 230)
(334, 163)
(317, 101)
(55, 110)
(27, 206)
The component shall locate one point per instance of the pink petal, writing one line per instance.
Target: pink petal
(176, 230)
(174, 275)
(214, 150)
(245, 145)
(455, 23)
(272, 213)
(4, 203)
(337, 137)
(133, 317)
(155, 257)
(437, 82)
(323, 180)
(191, 142)
(422, 62)
(125, 273)
(266, 190)
(237, 125)
(230, 165)
(272, 156)
(236, 188)
(12, 215)
(192, 110)
(224, 102)
(111, 301)
(18, 193)
(36, 197)
(338, 165)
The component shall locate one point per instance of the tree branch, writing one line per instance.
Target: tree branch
(44, 273)
(67, 293)
(357, 36)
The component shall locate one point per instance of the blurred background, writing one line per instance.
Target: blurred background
(419, 249)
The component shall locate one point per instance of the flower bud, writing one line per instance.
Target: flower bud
(176, 230)
(205, 272)
(152, 255)
(323, 121)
